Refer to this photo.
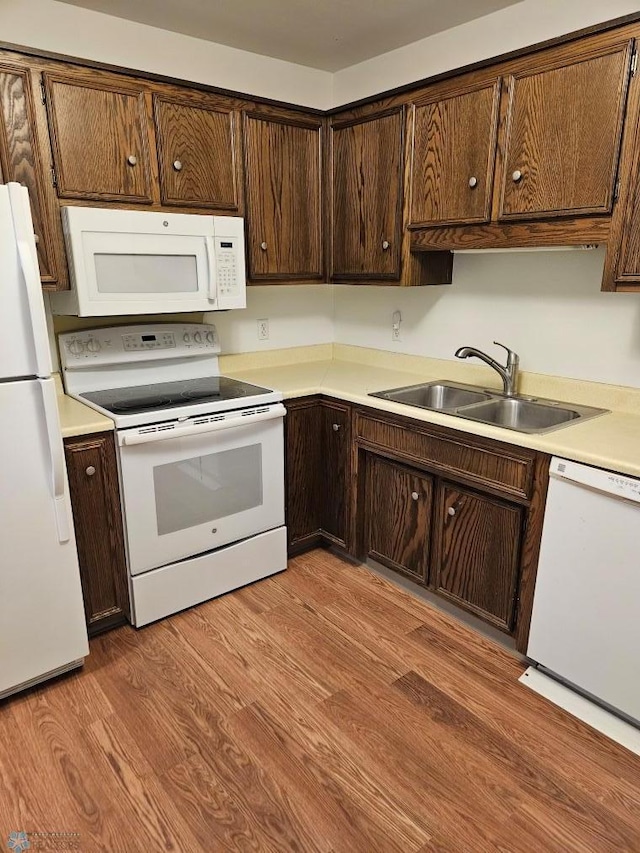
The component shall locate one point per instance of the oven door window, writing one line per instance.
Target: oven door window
(206, 488)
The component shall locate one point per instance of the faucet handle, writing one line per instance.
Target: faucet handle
(512, 357)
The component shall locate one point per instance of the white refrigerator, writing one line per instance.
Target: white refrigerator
(42, 625)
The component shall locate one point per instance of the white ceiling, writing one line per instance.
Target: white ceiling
(325, 34)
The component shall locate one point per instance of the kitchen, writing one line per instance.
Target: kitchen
(540, 303)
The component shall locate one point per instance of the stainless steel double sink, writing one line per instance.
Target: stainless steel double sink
(523, 414)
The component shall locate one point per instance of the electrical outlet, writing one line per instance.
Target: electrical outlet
(396, 319)
(263, 330)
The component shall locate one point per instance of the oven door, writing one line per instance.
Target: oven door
(194, 486)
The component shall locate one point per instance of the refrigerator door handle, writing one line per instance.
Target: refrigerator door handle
(56, 454)
(25, 241)
(36, 309)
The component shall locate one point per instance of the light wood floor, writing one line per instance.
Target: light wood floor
(320, 710)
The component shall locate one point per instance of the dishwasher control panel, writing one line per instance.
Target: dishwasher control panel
(618, 485)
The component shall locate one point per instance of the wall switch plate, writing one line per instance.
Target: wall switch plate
(263, 330)
(396, 319)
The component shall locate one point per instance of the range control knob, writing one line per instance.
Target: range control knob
(210, 338)
(76, 347)
(94, 345)
(197, 338)
(186, 337)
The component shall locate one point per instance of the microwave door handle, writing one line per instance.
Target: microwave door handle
(180, 432)
(56, 455)
(211, 268)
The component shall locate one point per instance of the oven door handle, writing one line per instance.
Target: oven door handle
(128, 439)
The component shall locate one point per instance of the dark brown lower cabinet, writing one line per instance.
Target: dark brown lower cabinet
(398, 517)
(95, 500)
(476, 557)
(318, 448)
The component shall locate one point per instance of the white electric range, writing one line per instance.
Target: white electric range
(200, 459)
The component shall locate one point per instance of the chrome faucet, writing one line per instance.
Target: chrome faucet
(508, 373)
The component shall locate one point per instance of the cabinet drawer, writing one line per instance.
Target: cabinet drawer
(485, 463)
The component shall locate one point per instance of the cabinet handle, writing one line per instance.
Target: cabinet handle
(473, 182)
(385, 245)
(132, 159)
(177, 165)
(36, 238)
(451, 511)
(90, 471)
(517, 175)
(415, 496)
(263, 246)
(336, 427)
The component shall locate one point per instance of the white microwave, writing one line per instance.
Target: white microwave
(145, 262)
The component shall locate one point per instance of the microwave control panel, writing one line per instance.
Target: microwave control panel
(229, 262)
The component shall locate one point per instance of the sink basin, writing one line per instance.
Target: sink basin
(441, 396)
(522, 415)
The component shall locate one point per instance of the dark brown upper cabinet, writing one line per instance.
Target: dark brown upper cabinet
(99, 138)
(283, 196)
(453, 156)
(367, 166)
(20, 161)
(197, 153)
(564, 125)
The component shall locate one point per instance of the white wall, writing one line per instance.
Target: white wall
(545, 305)
(61, 28)
(508, 29)
(298, 315)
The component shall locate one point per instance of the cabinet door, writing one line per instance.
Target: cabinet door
(367, 162)
(477, 553)
(99, 138)
(453, 156)
(335, 468)
(197, 153)
(95, 500)
(20, 161)
(283, 198)
(563, 134)
(303, 473)
(398, 517)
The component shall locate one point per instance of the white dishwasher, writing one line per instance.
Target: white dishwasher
(585, 625)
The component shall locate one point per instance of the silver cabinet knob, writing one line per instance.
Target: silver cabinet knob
(415, 496)
(90, 471)
(473, 182)
(132, 159)
(335, 427)
(177, 165)
(263, 246)
(385, 245)
(517, 175)
(451, 511)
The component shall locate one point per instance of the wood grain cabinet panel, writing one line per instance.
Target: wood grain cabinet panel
(99, 137)
(398, 517)
(335, 426)
(197, 154)
(283, 174)
(367, 163)
(453, 156)
(303, 473)
(20, 161)
(95, 500)
(563, 134)
(477, 553)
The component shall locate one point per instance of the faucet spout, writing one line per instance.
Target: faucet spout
(508, 373)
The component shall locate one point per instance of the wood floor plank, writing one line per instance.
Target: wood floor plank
(323, 709)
